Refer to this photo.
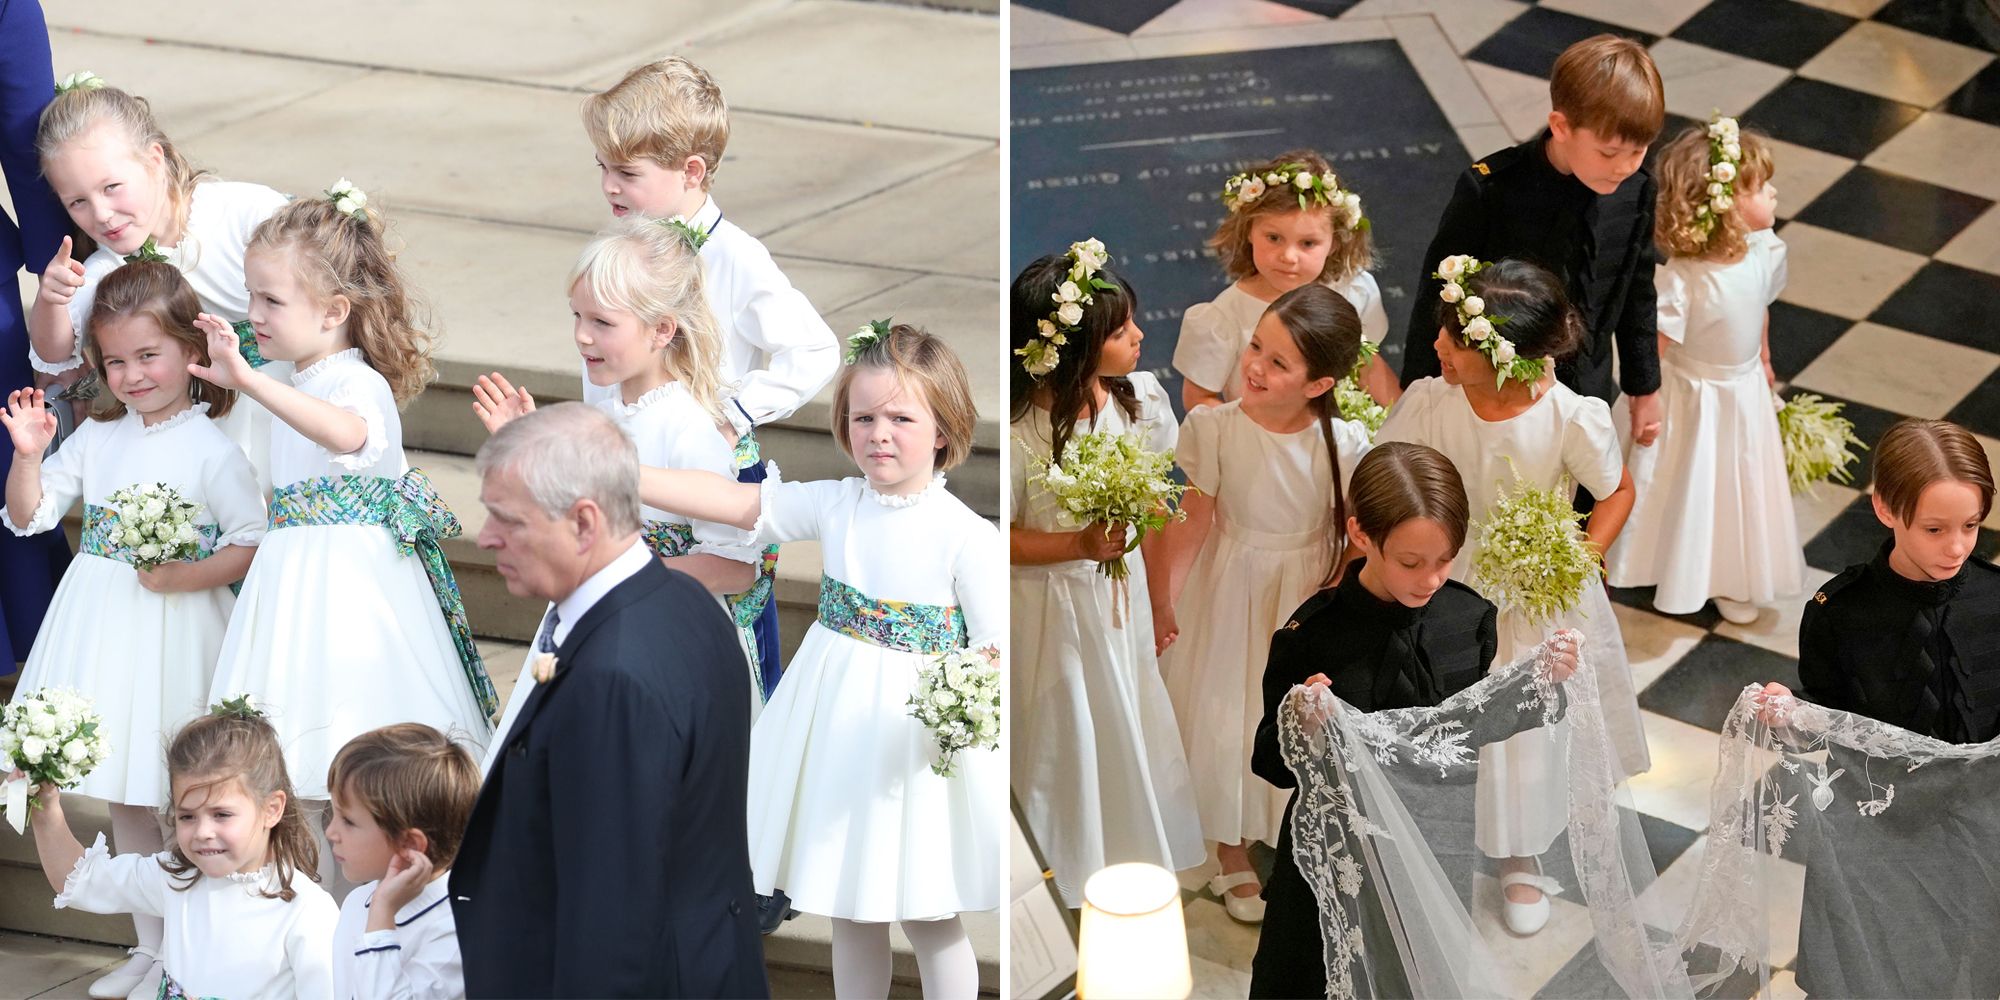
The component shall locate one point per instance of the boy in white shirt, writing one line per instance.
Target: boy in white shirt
(402, 795)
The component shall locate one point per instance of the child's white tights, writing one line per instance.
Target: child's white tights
(861, 959)
(136, 830)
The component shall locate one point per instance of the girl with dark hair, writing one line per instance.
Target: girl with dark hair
(1096, 758)
(1264, 530)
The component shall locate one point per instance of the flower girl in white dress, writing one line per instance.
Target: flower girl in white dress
(350, 620)
(147, 674)
(1714, 517)
(1096, 758)
(1501, 417)
(1269, 472)
(846, 813)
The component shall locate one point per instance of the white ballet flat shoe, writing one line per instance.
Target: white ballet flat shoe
(119, 984)
(1736, 612)
(1242, 909)
(1525, 919)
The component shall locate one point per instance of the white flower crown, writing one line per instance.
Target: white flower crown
(348, 199)
(1482, 328)
(79, 80)
(1243, 190)
(1040, 355)
(1725, 165)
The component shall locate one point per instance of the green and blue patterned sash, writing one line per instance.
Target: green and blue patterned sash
(414, 513)
(101, 533)
(669, 540)
(246, 343)
(916, 628)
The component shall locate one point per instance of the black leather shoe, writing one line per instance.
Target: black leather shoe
(774, 910)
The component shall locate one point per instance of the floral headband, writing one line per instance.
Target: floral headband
(1041, 354)
(80, 80)
(243, 706)
(870, 334)
(1243, 190)
(1481, 327)
(348, 199)
(1725, 164)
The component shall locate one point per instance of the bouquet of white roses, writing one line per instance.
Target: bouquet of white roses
(157, 524)
(1817, 441)
(958, 700)
(51, 736)
(1532, 557)
(1109, 477)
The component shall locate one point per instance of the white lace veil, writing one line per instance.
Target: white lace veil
(1884, 843)
(1409, 906)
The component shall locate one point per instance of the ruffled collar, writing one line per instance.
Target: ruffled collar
(1922, 593)
(196, 410)
(907, 499)
(305, 375)
(260, 878)
(653, 395)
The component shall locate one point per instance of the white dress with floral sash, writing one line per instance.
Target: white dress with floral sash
(845, 813)
(143, 659)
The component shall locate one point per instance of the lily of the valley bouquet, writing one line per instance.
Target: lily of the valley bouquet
(1354, 402)
(1818, 441)
(1533, 557)
(1110, 478)
(958, 700)
(157, 524)
(52, 737)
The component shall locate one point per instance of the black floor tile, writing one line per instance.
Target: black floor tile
(1825, 117)
(1870, 423)
(1851, 537)
(1583, 977)
(1944, 19)
(1947, 302)
(1122, 16)
(1531, 42)
(1979, 99)
(1894, 210)
(1329, 8)
(1700, 689)
(1799, 334)
(1980, 411)
(1642, 598)
(1774, 31)
(1666, 841)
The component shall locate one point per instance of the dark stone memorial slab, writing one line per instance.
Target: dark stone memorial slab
(1135, 154)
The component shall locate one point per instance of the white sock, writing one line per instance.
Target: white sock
(944, 958)
(861, 960)
(136, 830)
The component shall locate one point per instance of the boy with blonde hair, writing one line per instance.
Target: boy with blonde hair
(1578, 200)
(659, 135)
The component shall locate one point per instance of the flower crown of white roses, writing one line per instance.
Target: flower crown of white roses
(79, 80)
(1725, 165)
(1041, 354)
(1482, 329)
(870, 334)
(1243, 190)
(348, 199)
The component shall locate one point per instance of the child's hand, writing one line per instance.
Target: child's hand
(47, 796)
(409, 871)
(496, 402)
(1100, 542)
(29, 422)
(1319, 680)
(1166, 628)
(1559, 654)
(1774, 705)
(166, 578)
(1770, 375)
(61, 279)
(226, 367)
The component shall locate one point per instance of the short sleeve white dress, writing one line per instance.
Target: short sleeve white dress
(1214, 333)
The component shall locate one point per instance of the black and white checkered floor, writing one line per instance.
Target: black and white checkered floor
(1887, 120)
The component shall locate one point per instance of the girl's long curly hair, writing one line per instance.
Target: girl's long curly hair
(1352, 251)
(1071, 383)
(1682, 172)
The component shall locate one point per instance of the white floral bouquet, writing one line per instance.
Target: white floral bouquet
(1533, 558)
(1818, 441)
(52, 737)
(1111, 478)
(157, 524)
(958, 700)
